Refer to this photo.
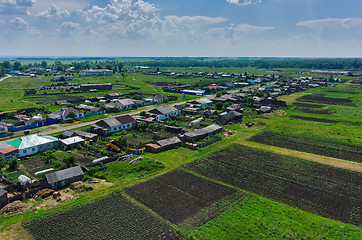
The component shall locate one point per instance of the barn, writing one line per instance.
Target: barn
(3, 197)
(63, 177)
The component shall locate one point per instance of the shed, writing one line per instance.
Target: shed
(71, 143)
(86, 135)
(234, 116)
(64, 177)
(3, 197)
(169, 143)
(23, 180)
(194, 136)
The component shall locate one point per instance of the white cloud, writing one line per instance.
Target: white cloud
(320, 24)
(238, 31)
(68, 28)
(10, 7)
(195, 20)
(53, 12)
(2, 21)
(19, 24)
(244, 2)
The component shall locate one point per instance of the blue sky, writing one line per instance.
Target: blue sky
(230, 28)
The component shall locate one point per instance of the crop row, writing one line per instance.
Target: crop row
(178, 195)
(326, 100)
(113, 217)
(325, 148)
(308, 105)
(316, 111)
(321, 189)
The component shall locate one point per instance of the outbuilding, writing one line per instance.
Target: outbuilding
(70, 143)
(63, 177)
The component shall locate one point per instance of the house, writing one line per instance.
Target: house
(191, 110)
(67, 134)
(61, 102)
(3, 197)
(157, 98)
(114, 104)
(200, 103)
(235, 107)
(164, 112)
(234, 116)
(63, 114)
(195, 135)
(163, 145)
(264, 109)
(86, 135)
(111, 125)
(7, 151)
(208, 112)
(127, 122)
(64, 177)
(32, 144)
(70, 143)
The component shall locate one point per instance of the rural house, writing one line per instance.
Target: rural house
(64, 177)
(32, 144)
(111, 125)
(63, 114)
(7, 151)
(196, 135)
(234, 116)
(162, 113)
(95, 72)
(163, 145)
(200, 103)
(157, 98)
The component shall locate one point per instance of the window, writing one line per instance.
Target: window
(24, 151)
(33, 149)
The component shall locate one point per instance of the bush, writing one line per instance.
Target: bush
(13, 164)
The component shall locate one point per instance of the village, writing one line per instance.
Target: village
(193, 124)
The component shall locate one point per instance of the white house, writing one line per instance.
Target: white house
(63, 114)
(111, 125)
(96, 72)
(32, 144)
(162, 113)
(3, 127)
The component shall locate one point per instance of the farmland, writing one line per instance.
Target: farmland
(325, 148)
(328, 191)
(113, 217)
(326, 100)
(178, 195)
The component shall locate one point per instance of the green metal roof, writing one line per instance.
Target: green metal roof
(31, 141)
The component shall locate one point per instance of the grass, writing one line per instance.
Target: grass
(255, 217)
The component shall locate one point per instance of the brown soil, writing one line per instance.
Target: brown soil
(14, 207)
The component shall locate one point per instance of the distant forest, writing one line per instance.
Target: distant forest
(272, 63)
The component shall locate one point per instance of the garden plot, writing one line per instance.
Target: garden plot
(308, 105)
(325, 148)
(113, 217)
(326, 100)
(316, 111)
(178, 195)
(328, 191)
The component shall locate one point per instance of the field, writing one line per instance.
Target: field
(301, 104)
(326, 100)
(322, 120)
(321, 189)
(113, 217)
(319, 147)
(316, 111)
(178, 195)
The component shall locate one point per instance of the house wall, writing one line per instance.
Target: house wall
(165, 116)
(10, 155)
(28, 151)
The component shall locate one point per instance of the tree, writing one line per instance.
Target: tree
(44, 64)
(2, 163)
(109, 66)
(2, 71)
(142, 126)
(120, 66)
(6, 64)
(17, 65)
(13, 164)
(219, 105)
(71, 115)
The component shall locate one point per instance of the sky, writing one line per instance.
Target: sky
(181, 28)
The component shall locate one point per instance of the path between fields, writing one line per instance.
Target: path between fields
(334, 162)
(8, 76)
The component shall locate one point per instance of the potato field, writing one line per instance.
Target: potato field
(113, 217)
(327, 191)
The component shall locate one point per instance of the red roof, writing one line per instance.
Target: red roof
(8, 150)
(124, 119)
(152, 145)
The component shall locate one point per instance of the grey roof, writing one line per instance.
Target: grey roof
(203, 131)
(67, 133)
(63, 174)
(108, 123)
(85, 134)
(3, 191)
(168, 141)
(164, 109)
(4, 145)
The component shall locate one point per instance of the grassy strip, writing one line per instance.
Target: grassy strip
(325, 148)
